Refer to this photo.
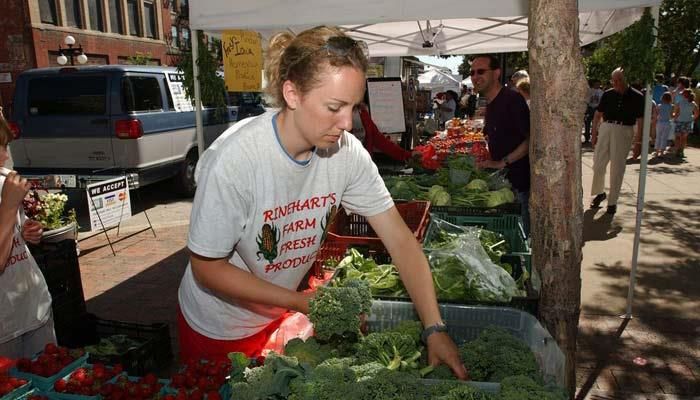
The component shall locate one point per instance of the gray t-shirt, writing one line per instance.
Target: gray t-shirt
(268, 213)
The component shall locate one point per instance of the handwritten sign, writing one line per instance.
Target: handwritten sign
(386, 104)
(242, 61)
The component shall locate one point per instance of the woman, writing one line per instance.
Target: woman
(266, 190)
(685, 111)
(25, 302)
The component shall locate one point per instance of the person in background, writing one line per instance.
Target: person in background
(619, 110)
(592, 101)
(262, 178)
(364, 128)
(516, 77)
(523, 87)
(663, 124)
(685, 112)
(695, 87)
(659, 88)
(25, 302)
(448, 106)
(507, 127)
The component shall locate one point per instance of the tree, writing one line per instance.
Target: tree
(679, 36)
(139, 59)
(212, 87)
(556, 208)
(627, 49)
(514, 61)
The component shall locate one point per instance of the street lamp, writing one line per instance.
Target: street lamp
(71, 51)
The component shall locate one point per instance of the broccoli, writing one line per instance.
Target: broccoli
(368, 370)
(496, 354)
(410, 328)
(525, 388)
(239, 363)
(390, 385)
(335, 311)
(269, 381)
(395, 350)
(331, 380)
(462, 391)
(308, 352)
(364, 291)
(442, 372)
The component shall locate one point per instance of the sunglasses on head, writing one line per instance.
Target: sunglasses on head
(479, 71)
(341, 46)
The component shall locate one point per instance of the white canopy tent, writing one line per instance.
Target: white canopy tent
(415, 27)
(438, 81)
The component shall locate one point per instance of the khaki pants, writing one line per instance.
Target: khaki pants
(613, 145)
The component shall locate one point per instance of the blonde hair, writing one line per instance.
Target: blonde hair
(524, 85)
(6, 135)
(300, 60)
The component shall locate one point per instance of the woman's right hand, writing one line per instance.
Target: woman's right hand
(14, 190)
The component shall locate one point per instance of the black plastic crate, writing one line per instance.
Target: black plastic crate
(152, 353)
(504, 209)
(59, 264)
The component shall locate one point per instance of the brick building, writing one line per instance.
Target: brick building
(109, 31)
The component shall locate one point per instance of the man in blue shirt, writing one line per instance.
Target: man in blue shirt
(507, 127)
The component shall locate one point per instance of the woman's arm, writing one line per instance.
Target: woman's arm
(375, 139)
(233, 283)
(13, 191)
(414, 271)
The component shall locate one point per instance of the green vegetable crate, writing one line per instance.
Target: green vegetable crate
(353, 229)
(510, 226)
(334, 252)
(465, 323)
(504, 209)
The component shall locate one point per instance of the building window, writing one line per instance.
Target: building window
(115, 16)
(95, 13)
(73, 14)
(149, 14)
(175, 38)
(47, 11)
(132, 8)
(185, 38)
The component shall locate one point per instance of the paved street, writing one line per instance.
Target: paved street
(656, 354)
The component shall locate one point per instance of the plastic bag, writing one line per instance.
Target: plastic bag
(461, 254)
(295, 325)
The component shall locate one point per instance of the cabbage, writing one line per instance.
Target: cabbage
(478, 185)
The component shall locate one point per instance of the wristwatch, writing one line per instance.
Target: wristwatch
(438, 327)
(506, 161)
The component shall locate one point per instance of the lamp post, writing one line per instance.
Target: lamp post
(71, 52)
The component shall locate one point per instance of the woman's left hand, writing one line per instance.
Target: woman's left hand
(442, 350)
(31, 231)
(490, 164)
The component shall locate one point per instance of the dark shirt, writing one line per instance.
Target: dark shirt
(625, 107)
(507, 126)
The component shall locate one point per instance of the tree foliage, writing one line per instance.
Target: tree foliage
(632, 49)
(139, 59)
(212, 87)
(679, 36)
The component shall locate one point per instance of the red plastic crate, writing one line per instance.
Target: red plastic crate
(354, 229)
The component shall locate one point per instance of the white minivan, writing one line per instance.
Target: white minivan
(77, 125)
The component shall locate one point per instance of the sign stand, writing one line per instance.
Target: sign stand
(118, 226)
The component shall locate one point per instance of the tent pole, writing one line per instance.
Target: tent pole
(642, 183)
(197, 93)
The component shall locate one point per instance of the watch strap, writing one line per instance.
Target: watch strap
(438, 327)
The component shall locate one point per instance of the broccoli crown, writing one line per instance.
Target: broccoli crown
(395, 350)
(364, 291)
(391, 385)
(331, 380)
(367, 370)
(308, 352)
(455, 390)
(411, 328)
(496, 354)
(335, 311)
(522, 387)
(270, 380)
(442, 372)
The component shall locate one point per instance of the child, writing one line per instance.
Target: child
(663, 124)
(685, 112)
(25, 303)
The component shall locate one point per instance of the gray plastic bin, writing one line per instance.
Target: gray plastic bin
(466, 323)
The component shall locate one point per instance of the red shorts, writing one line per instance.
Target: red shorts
(195, 346)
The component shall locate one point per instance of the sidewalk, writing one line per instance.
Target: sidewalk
(655, 355)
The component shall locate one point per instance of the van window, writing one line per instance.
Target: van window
(141, 94)
(68, 95)
(171, 105)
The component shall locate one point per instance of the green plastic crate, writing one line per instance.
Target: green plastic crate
(465, 323)
(510, 226)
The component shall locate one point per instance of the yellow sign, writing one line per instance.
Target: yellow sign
(375, 71)
(242, 61)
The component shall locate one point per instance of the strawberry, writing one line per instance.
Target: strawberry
(150, 379)
(213, 395)
(79, 374)
(24, 364)
(5, 388)
(50, 348)
(60, 386)
(177, 381)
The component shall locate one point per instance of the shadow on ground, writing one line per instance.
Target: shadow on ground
(148, 297)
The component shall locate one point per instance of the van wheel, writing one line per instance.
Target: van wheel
(185, 183)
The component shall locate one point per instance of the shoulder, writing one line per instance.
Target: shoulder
(634, 92)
